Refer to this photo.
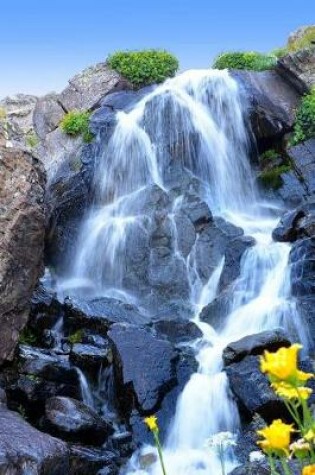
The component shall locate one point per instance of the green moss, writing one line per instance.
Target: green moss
(76, 123)
(272, 178)
(3, 113)
(304, 127)
(304, 41)
(76, 337)
(144, 67)
(32, 140)
(249, 60)
(28, 337)
(269, 155)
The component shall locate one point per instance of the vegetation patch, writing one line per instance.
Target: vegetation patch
(272, 178)
(145, 67)
(76, 337)
(304, 127)
(32, 140)
(28, 337)
(269, 155)
(302, 41)
(76, 123)
(249, 60)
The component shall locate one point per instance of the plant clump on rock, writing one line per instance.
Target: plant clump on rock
(76, 123)
(145, 67)
(304, 127)
(249, 60)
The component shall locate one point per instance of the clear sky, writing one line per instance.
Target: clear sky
(45, 42)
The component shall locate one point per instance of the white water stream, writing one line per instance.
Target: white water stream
(203, 107)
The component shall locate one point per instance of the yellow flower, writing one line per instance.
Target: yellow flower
(282, 365)
(287, 391)
(151, 422)
(276, 437)
(309, 470)
(310, 435)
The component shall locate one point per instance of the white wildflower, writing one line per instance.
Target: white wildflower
(256, 456)
(222, 440)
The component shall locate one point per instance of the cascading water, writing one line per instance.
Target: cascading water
(194, 122)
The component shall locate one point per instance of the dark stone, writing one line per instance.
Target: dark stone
(46, 309)
(88, 460)
(90, 357)
(306, 310)
(73, 420)
(251, 469)
(233, 255)
(186, 365)
(296, 224)
(255, 345)
(302, 157)
(302, 260)
(292, 190)
(177, 331)
(144, 367)
(298, 68)
(271, 103)
(68, 196)
(24, 449)
(210, 248)
(252, 388)
(196, 210)
(215, 312)
(100, 313)
(247, 438)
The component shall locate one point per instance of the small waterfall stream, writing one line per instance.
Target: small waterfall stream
(199, 118)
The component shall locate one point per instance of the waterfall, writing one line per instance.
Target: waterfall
(191, 126)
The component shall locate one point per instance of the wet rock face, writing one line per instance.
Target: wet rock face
(252, 388)
(22, 230)
(142, 377)
(298, 68)
(297, 224)
(271, 104)
(255, 345)
(73, 420)
(24, 449)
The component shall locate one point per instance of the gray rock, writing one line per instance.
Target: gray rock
(251, 469)
(252, 388)
(216, 311)
(87, 88)
(19, 117)
(292, 191)
(88, 460)
(74, 421)
(24, 449)
(296, 224)
(22, 231)
(298, 68)
(233, 256)
(144, 367)
(255, 345)
(47, 115)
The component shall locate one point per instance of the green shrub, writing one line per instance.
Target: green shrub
(303, 41)
(77, 123)
(304, 127)
(145, 67)
(28, 337)
(272, 178)
(269, 155)
(244, 60)
(76, 337)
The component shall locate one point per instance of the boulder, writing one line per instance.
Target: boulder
(100, 313)
(296, 224)
(143, 365)
(23, 449)
(298, 69)
(292, 190)
(271, 104)
(22, 231)
(47, 115)
(88, 460)
(73, 420)
(302, 259)
(89, 357)
(252, 389)
(232, 263)
(254, 468)
(177, 330)
(255, 345)
(216, 311)
(86, 89)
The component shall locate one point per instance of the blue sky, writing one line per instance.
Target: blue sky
(45, 42)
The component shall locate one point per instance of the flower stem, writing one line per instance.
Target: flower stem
(221, 455)
(285, 467)
(272, 465)
(159, 449)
